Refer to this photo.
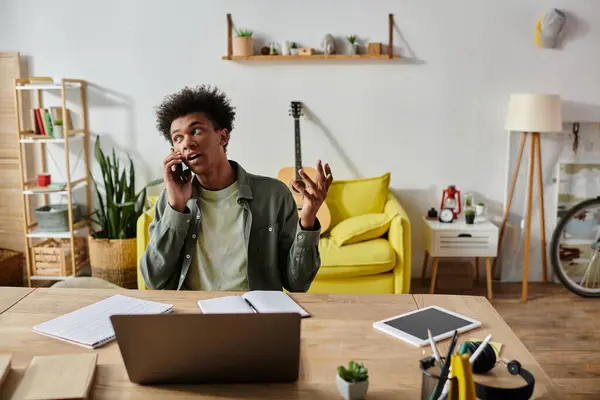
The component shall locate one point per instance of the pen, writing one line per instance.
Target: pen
(436, 354)
(446, 367)
(479, 349)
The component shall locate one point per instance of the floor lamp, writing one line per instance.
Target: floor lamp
(531, 114)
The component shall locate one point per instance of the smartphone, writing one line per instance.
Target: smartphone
(181, 173)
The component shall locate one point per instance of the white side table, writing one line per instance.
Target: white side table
(459, 239)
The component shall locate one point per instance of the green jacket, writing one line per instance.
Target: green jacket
(280, 253)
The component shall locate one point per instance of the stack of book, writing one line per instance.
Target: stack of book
(43, 120)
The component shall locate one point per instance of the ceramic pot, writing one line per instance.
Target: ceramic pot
(294, 52)
(351, 390)
(479, 210)
(243, 46)
(285, 48)
(470, 219)
(57, 131)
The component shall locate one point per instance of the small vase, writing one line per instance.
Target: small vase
(294, 51)
(351, 390)
(285, 48)
(243, 46)
(356, 48)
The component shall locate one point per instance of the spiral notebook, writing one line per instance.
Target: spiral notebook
(255, 301)
(90, 326)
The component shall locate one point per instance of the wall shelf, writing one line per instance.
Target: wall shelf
(355, 57)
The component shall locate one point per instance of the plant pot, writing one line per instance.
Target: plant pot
(470, 219)
(294, 51)
(243, 46)
(356, 48)
(114, 260)
(57, 131)
(351, 390)
(479, 210)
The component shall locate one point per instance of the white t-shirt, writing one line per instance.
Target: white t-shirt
(220, 249)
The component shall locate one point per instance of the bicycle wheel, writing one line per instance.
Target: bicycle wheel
(575, 249)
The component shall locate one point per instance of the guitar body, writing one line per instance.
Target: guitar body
(290, 174)
(287, 176)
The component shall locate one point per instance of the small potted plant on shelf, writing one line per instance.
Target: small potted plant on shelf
(352, 382)
(470, 216)
(480, 209)
(57, 130)
(243, 43)
(353, 44)
(294, 49)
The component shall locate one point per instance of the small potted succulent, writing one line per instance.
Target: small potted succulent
(243, 43)
(480, 209)
(57, 130)
(470, 216)
(352, 382)
(353, 44)
(294, 49)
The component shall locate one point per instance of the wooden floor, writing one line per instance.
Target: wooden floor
(560, 329)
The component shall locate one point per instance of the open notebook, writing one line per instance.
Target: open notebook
(261, 301)
(90, 326)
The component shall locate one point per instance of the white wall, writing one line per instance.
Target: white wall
(421, 119)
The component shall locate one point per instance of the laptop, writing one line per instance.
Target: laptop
(209, 348)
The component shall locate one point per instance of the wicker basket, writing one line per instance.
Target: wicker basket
(52, 257)
(55, 217)
(11, 268)
(114, 260)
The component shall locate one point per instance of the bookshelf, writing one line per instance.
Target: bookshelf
(63, 261)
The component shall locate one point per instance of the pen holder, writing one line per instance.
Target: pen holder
(430, 378)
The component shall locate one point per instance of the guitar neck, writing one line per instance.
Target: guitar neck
(298, 148)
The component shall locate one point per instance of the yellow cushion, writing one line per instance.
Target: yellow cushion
(357, 259)
(361, 228)
(349, 198)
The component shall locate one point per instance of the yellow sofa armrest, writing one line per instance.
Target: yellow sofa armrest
(400, 240)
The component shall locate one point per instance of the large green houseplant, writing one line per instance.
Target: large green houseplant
(112, 248)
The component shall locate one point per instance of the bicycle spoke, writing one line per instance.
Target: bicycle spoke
(586, 274)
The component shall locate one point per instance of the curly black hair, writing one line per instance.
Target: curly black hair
(204, 98)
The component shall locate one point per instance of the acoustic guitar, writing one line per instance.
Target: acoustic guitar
(290, 174)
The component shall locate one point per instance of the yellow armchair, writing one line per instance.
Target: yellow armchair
(143, 237)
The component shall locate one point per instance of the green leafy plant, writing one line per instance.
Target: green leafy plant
(481, 203)
(58, 122)
(351, 38)
(244, 33)
(120, 208)
(470, 213)
(468, 202)
(294, 46)
(354, 373)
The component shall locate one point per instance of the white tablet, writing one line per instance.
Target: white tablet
(412, 327)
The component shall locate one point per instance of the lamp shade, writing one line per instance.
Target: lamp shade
(534, 113)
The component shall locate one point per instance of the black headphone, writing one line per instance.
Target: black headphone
(485, 362)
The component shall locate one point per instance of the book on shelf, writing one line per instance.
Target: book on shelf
(43, 120)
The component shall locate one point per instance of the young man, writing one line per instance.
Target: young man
(223, 228)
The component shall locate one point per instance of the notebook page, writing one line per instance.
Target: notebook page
(273, 301)
(90, 326)
(225, 305)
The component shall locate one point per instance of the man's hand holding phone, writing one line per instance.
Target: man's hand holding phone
(177, 181)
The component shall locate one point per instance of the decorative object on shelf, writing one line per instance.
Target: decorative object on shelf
(52, 257)
(113, 248)
(469, 201)
(274, 49)
(353, 44)
(549, 28)
(55, 217)
(470, 216)
(328, 44)
(243, 43)
(480, 209)
(58, 129)
(533, 113)
(374, 49)
(447, 215)
(305, 51)
(265, 50)
(11, 268)
(285, 48)
(352, 382)
(44, 179)
(294, 49)
(450, 200)
(432, 214)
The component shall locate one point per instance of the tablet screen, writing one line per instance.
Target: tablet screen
(437, 321)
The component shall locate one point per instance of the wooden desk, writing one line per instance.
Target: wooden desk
(339, 330)
(11, 295)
